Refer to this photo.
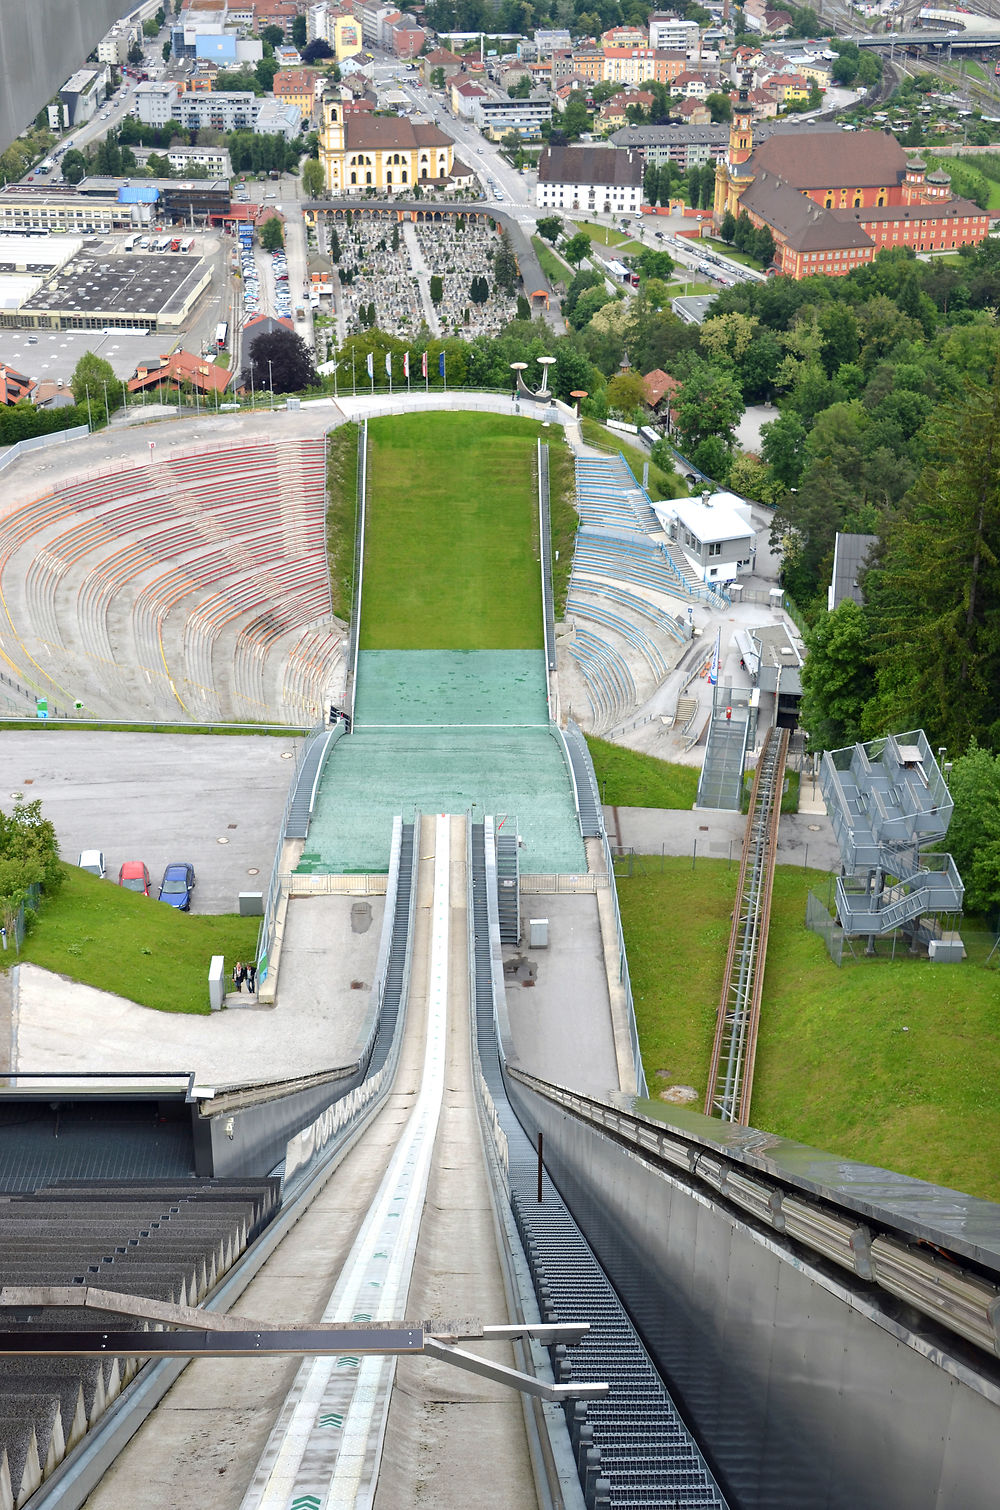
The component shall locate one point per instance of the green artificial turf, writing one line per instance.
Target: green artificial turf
(134, 946)
(451, 545)
(835, 1068)
(630, 778)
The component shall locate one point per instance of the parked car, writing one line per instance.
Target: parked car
(92, 860)
(134, 876)
(177, 885)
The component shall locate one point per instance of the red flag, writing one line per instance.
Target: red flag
(406, 365)
(423, 364)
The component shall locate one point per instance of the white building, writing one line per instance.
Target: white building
(589, 178)
(672, 33)
(114, 48)
(715, 532)
(155, 102)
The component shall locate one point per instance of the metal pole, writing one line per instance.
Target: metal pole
(107, 411)
(539, 1168)
(270, 383)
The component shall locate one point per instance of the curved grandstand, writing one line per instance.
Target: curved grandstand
(196, 587)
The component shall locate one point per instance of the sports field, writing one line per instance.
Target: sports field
(451, 540)
(896, 1063)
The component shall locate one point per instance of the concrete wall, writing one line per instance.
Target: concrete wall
(802, 1389)
(41, 43)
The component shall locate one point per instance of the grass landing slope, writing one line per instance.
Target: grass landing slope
(891, 1062)
(451, 547)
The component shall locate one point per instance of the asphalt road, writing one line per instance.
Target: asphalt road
(216, 801)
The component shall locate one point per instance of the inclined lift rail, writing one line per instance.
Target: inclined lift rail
(730, 1078)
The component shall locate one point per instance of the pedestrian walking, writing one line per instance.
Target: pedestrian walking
(239, 975)
(251, 973)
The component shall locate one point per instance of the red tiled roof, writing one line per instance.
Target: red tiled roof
(181, 367)
(657, 384)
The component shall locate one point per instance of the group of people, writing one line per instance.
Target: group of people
(248, 973)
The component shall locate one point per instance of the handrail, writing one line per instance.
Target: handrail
(359, 561)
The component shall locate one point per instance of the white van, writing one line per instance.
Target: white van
(92, 860)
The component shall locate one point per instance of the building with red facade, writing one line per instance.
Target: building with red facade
(832, 200)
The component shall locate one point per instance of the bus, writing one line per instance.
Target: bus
(188, 245)
(130, 243)
(221, 334)
(175, 244)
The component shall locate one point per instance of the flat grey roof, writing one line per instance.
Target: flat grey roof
(125, 285)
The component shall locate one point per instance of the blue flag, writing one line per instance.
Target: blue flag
(441, 363)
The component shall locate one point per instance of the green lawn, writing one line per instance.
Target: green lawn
(835, 1068)
(603, 235)
(967, 166)
(134, 946)
(342, 499)
(451, 548)
(661, 484)
(728, 251)
(630, 778)
(554, 270)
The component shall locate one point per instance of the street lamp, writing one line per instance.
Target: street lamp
(270, 383)
(107, 411)
(545, 363)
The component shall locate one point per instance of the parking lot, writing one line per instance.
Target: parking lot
(215, 801)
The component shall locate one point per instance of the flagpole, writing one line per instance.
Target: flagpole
(354, 376)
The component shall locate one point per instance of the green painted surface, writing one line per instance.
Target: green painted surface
(415, 687)
(377, 773)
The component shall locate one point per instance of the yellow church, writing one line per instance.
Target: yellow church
(360, 151)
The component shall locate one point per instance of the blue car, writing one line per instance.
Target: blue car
(177, 885)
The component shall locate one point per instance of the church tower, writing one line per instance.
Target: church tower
(730, 180)
(331, 144)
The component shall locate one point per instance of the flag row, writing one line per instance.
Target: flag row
(370, 364)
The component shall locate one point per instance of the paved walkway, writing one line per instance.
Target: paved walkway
(804, 839)
(330, 945)
(422, 275)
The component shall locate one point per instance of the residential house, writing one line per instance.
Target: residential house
(671, 32)
(715, 532)
(297, 86)
(177, 368)
(14, 385)
(695, 112)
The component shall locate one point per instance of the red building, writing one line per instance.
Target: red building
(833, 199)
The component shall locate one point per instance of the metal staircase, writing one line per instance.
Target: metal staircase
(508, 884)
(886, 799)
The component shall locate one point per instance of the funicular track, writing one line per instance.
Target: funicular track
(730, 1076)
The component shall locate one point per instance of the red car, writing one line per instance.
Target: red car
(134, 877)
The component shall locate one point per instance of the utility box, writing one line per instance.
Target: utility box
(217, 983)
(538, 933)
(251, 904)
(948, 948)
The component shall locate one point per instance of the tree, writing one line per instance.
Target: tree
(265, 72)
(135, 54)
(575, 119)
(479, 290)
(335, 252)
(275, 35)
(763, 246)
(74, 166)
(90, 377)
(625, 392)
(313, 178)
(505, 265)
(836, 677)
(166, 50)
(437, 78)
(150, 28)
(550, 226)
(437, 288)
(933, 591)
(272, 235)
(279, 360)
(974, 831)
(316, 50)
(654, 264)
(708, 402)
(727, 227)
(299, 35)
(27, 837)
(576, 248)
(720, 107)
